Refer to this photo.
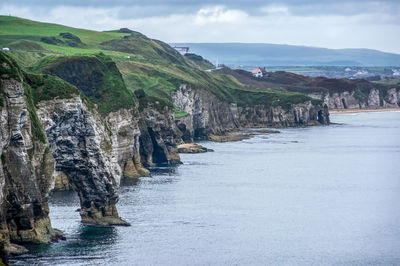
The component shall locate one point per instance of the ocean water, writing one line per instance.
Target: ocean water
(327, 195)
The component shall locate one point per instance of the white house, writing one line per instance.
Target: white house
(6, 49)
(259, 72)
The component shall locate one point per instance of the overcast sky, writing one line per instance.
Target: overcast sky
(330, 24)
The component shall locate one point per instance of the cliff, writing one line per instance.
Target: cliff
(335, 93)
(50, 133)
(82, 148)
(354, 99)
(207, 114)
(26, 167)
(79, 126)
(86, 122)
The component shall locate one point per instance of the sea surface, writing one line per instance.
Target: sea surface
(327, 195)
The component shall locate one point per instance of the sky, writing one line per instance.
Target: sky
(322, 23)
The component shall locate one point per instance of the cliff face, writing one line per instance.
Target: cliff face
(144, 138)
(124, 125)
(138, 137)
(52, 136)
(206, 113)
(209, 115)
(159, 137)
(76, 147)
(26, 169)
(42, 139)
(354, 99)
(82, 148)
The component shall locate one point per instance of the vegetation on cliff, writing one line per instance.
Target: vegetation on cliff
(46, 87)
(96, 66)
(96, 76)
(198, 61)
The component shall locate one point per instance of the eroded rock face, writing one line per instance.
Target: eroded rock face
(392, 98)
(26, 172)
(353, 100)
(303, 114)
(82, 147)
(124, 125)
(159, 137)
(91, 153)
(209, 115)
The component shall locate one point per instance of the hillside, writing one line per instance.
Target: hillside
(336, 93)
(145, 64)
(287, 81)
(264, 54)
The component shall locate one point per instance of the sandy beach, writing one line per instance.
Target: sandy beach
(344, 111)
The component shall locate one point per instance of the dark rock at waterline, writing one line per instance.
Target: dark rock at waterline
(192, 148)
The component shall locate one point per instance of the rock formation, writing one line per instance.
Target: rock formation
(26, 167)
(53, 136)
(354, 99)
(209, 115)
(192, 148)
(159, 137)
(82, 148)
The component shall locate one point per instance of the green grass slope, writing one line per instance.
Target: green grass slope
(108, 67)
(13, 29)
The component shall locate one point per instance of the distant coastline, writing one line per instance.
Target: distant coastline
(349, 111)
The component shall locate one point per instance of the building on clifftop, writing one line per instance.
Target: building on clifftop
(259, 72)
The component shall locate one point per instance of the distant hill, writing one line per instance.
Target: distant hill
(286, 81)
(264, 54)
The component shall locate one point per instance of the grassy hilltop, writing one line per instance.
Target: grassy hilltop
(108, 67)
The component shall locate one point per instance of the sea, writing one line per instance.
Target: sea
(322, 195)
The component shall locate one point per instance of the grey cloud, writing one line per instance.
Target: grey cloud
(332, 23)
(151, 8)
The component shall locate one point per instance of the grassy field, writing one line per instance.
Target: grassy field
(14, 27)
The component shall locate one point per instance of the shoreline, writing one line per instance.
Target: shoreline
(351, 111)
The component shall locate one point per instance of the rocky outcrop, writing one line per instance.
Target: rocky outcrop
(62, 139)
(138, 137)
(209, 115)
(355, 99)
(192, 148)
(159, 137)
(124, 125)
(82, 148)
(58, 138)
(26, 168)
(206, 113)
(392, 98)
(303, 114)
(65, 142)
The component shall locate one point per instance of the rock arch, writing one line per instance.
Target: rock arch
(82, 149)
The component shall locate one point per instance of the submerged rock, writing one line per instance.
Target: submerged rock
(14, 249)
(192, 148)
(239, 135)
